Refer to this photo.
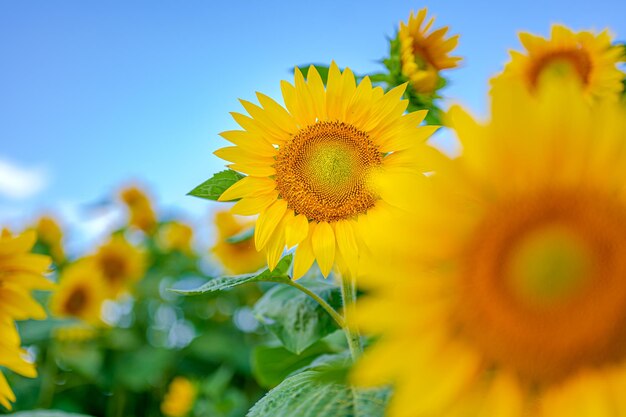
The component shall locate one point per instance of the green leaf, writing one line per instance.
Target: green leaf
(47, 413)
(241, 236)
(144, 368)
(272, 364)
(312, 394)
(279, 274)
(295, 318)
(214, 187)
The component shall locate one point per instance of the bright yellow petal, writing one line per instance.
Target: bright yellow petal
(323, 242)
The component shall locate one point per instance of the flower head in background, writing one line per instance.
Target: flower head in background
(180, 398)
(508, 297)
(142, 215)
(176, 236)
(236, 257)
(424, 53)
(589, 58)
(308, 165)
(21, 272)
(79, 333)
(80, 293)
(120, 264)
(51, 235)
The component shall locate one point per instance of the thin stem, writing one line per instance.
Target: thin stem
(348, 294)
(329, 309)
(46, 393)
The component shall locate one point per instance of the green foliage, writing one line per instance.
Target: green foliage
(296, 319)
(279, 274)
(272, 364)
(214, 187)
(47, 413)
(321, 390)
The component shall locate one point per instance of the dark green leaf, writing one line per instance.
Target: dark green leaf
(279, 274)
(295, 318)
(311, 394)
(241, 236)
(46, 413)
(214, 187)
(272, 364)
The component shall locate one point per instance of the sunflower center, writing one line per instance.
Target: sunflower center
(322, 171)
(113, 267)
(76, 302)
(565, 63)
(543, 287)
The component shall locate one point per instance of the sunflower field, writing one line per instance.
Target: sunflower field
(351, 265)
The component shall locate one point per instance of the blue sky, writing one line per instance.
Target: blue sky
(93, 94)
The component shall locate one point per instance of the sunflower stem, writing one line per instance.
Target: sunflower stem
(329, 309)
(348, 294)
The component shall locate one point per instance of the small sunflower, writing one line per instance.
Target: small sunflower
(120, 263)
(424, 54)
(180, 398)
(309, 165)
(589, 58)
(21, 272)
(240, 257)
(508, 297)
(80, 293)
(142, 215)
(176, 236)
(51, 235)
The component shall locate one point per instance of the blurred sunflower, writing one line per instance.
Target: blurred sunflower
(142, 215)
(12, 357)
(240, 257)
(180, 397)
(120, 263)
(589, 58)
(176, 236)
(50, 234)
(509, 296)
(21, 272)
(80, 293)
(309, 165)
(424, 54)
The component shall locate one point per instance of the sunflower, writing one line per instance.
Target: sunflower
(308, 165)
(80, 293)
(142, 215)
(120, 263)
(180, 398)
(176, 236)
(240, 257)
(587, 57)
(50, 234)
(508, 296)
(12, 357)
(424, 54)
(21, 272)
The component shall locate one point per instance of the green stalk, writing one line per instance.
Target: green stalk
(348, 294)
(329, 309)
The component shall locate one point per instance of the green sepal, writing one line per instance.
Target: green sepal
(215, 186)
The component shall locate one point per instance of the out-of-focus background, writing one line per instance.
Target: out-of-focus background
(96, 94)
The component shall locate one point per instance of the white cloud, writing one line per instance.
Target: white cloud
(19, 183)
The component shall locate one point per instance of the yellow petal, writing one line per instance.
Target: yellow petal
(267, 222)
(304, 256)
(323, 241)
(297, 228)
(276, 245)
(347, 244)
(248, 186)
(249, 206)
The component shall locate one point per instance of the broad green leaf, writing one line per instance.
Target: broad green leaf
(312, 394)
(279, 274)
(214, 187)
(47, 413)
(272, 364)
(295, 318)
(241, 236)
